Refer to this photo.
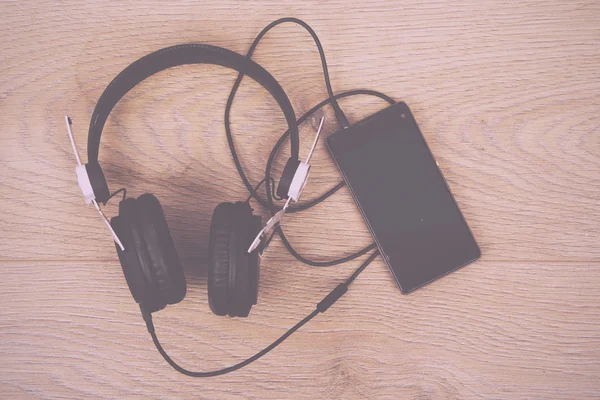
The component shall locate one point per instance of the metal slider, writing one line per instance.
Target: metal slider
(86, 186)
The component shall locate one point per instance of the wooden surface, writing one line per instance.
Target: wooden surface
(507, 95)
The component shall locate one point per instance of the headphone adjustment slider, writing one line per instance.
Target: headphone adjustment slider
(85, 184)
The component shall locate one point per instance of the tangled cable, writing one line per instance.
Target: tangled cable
(268, 180)
(268, 203)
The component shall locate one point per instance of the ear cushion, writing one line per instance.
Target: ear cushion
(160, 249)
(134, 260)
(239, 304)
(254, 227)
(130, 263)
(219, 258)
(232, 273)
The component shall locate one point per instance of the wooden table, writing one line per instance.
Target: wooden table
(507, 95)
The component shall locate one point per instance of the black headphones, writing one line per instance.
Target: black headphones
(146, 250)
(144, 244)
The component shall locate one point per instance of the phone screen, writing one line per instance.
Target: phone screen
(403, 197)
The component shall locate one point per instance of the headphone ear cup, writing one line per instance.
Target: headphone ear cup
(253, 226)
(242, 297)
(133, 274)
(163, 259)
(219, 258)
(134, 260)
(232, 272)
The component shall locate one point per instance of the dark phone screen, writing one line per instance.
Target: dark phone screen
(403, 197)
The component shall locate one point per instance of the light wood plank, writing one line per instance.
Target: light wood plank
(506, 97)
(500, 330)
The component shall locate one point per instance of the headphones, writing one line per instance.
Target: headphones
(144, 244)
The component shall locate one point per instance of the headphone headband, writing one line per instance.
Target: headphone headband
(181, 55)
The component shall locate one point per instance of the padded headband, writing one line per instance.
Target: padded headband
(181, 55)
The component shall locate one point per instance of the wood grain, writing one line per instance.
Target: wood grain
(508, 98)
(494, 330)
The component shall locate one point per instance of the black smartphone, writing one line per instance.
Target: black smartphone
(403, 197)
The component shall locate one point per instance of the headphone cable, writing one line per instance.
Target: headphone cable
(323, 305)
(340, 116)
(269, 182)
(340, 289)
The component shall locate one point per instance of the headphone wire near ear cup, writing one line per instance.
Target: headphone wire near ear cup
(323, 306)
(122, 190)
(148, 256)
(270, 186)
(259, 185)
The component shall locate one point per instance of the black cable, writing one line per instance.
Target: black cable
(323, 305)
(268, 204)
(341, 117)
(329, 263)
(273, 209)
(116, 193)
(301, 207)
(361, 268)
(285, 135)
(237, 366)
(255, 188)
(313, 202)
(268, 180)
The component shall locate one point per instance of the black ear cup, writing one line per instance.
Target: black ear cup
(219, 258)
(164, 261)
(150, 263)
(138, 279)
(232, 273)
(239, 301)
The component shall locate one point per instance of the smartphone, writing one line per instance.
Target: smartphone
(403, 197)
